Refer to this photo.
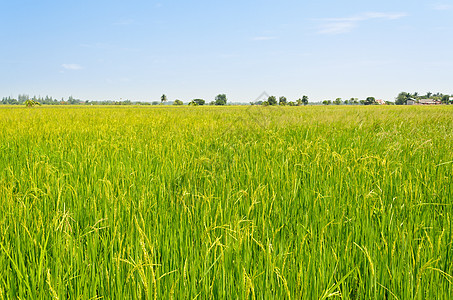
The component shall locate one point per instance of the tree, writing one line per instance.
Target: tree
(370, 101)
(338, 101)
(402, 98)
(71, 100)
(199, 101)
(163, 99)
(31, 103)
(221, 99)
(282, 100)
(178, 102)
(305, 100)
(272, 100)
(326, 102)
(445, 99)
(428, 95)
(299, 102)
(22, 98)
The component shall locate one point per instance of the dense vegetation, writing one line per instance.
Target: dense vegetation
(226, 202)
(221, 99)
(403, 97)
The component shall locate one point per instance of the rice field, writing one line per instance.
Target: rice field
(226, 202)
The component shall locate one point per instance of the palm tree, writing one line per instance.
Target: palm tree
(163, 98)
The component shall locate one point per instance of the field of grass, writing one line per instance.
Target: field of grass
(226, 202)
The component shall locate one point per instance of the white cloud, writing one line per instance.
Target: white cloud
(264, 38)
(442, 7)
(72, 67)
(344, 25)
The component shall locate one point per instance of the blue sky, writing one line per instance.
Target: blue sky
(139, 49)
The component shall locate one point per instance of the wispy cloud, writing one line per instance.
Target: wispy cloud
(344, 25)
(264, 38)
(442, 6)
(72, 67)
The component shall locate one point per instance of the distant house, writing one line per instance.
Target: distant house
(429, 102)
(410, 101)
(380, 102)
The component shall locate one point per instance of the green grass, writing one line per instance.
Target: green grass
(226, 202)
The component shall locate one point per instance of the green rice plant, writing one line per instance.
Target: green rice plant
(226, 202)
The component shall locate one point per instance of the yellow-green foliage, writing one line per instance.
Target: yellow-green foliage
(226, 202)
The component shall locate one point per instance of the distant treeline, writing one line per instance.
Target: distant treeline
(21, 99)
(221, 99)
